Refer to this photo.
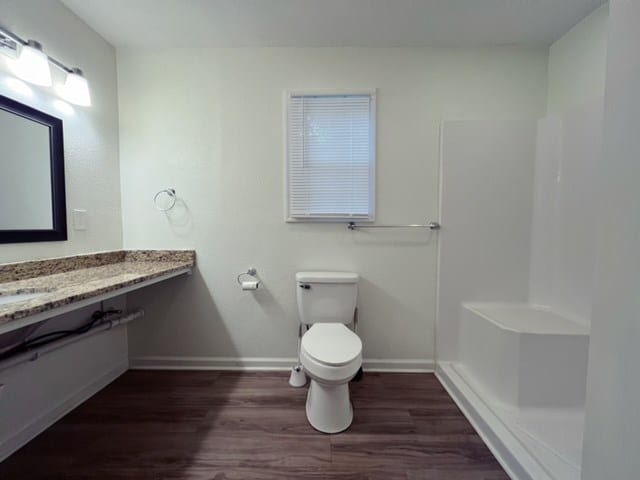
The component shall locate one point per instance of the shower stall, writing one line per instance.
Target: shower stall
(516, 267)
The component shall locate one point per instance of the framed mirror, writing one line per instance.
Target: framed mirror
(32, 188)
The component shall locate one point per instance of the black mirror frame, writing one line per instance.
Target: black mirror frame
(56, 156)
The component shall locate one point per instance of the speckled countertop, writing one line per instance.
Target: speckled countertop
(61, 281)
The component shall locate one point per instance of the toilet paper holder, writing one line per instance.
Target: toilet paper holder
(253, 274)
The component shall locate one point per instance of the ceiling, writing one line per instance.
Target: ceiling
(330, 23)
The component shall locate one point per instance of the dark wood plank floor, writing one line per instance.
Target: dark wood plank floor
(227, 426)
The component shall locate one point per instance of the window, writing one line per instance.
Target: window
(331, 156)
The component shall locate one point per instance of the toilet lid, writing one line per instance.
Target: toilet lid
(331, 344)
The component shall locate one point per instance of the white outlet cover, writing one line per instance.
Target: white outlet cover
(79, 219)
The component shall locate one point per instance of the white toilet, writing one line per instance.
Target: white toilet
(330, 353)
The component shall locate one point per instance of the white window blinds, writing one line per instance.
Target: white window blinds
(331, 156)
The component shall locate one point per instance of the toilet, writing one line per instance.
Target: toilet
(330, 353)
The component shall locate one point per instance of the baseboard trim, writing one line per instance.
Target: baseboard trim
(210, 363)
(398, 365)
(48, 418)
(505, 446)
(266, 364)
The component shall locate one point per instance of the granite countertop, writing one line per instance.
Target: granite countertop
(65, 280)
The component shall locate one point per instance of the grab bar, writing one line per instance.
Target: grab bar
(430, 226)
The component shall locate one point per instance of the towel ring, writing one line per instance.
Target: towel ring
(171, 193)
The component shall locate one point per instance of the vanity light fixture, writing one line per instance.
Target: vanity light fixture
(30, 63)
(76, 89)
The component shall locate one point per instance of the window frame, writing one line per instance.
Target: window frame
(372, 93)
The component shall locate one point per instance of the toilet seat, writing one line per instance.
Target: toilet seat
(331, 344)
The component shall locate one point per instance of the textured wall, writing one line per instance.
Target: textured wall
(213, 130)
(90, 134)
(577, 63)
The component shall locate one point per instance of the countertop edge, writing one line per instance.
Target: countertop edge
(15, 271)
(122, 278)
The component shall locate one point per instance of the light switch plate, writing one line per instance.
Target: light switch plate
(79, 219)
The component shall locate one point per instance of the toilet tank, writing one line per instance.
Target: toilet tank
(326, 297)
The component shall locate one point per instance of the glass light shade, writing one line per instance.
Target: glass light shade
(33, 65)
(76, 89)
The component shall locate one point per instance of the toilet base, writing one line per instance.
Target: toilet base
(328, 407)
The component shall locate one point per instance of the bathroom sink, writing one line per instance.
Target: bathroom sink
(18, 297)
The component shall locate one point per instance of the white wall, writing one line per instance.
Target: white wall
(612, 431)
(90, 134)
(577, 63)
(212, 129)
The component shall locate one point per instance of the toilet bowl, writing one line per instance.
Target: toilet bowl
(330, 353)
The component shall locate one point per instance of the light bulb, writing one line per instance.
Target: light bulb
(33, 65)
(76, 89)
